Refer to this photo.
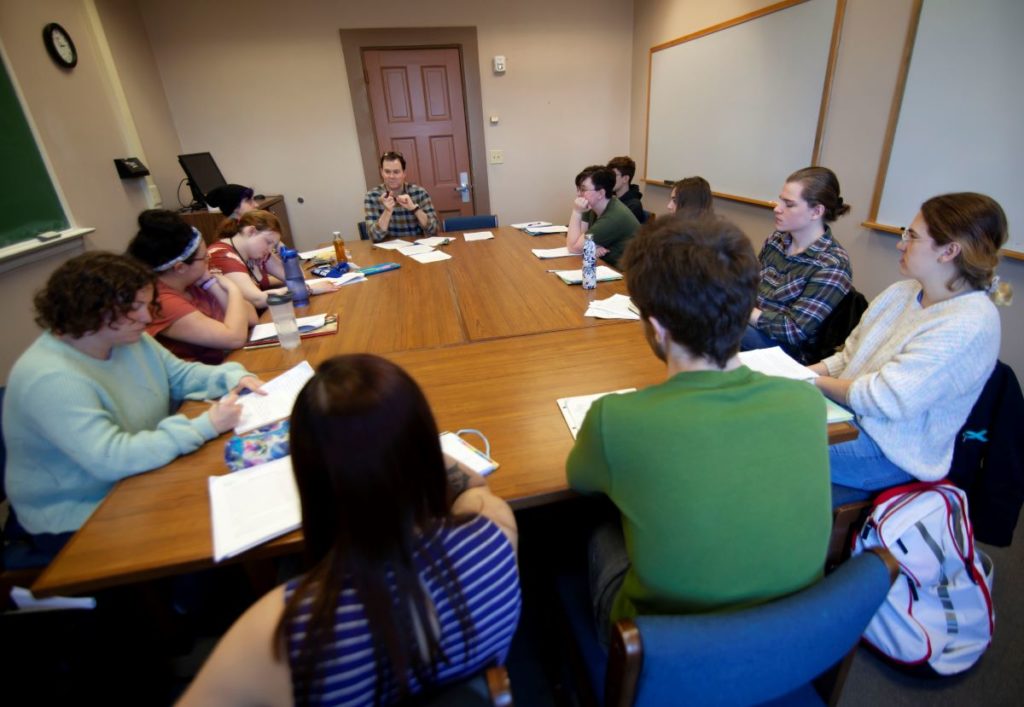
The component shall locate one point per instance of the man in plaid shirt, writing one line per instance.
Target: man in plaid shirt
(805, 273)
(395, 209)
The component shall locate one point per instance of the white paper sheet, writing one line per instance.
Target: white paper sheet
(614, 307)
(265, 331)
(434, 241)
(431, 257)
(259, 410)
(575, 277)
(251, 506)
(415, 250)
(543, 230)
(478, 236)
(574, 409)
(776, 362)
(545, 253)
(531, 224)
(322, 253)
(392, 245)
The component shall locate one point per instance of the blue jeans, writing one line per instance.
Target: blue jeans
(860, 464)
(755, 339)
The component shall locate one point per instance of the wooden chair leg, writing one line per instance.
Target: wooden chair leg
(846, 520)
(625, 661)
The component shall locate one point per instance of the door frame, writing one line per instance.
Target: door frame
(354, 41)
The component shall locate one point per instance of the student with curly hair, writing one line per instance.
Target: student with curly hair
(88, 403)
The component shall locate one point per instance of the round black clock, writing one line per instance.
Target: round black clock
(59, 45)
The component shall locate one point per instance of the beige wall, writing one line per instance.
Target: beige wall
(79, 124)
(866, 73)
(262, 85)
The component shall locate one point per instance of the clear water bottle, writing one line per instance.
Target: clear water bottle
(293, 277)
(589, 262)
(283, 314)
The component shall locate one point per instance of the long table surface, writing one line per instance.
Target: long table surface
(492, 338)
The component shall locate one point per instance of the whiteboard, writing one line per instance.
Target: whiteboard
(961, 122)
(739, 106)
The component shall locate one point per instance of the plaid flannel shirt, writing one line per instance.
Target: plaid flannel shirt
(797, 292)
(403, 222)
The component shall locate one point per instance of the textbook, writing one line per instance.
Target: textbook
(265, 335)
(252, 506)
(281, 392)
(776, 362)
(575, 409)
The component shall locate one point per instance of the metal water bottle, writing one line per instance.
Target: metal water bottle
(589, 262)
(293, 277)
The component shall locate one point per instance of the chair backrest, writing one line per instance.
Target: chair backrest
(364, 235)
(464, 223)
(837, 326)
(753, 655)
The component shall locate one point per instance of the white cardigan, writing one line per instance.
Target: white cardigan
(917, 372)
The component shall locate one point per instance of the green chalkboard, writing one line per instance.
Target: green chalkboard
(28, 201)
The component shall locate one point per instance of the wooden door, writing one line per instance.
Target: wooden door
(418, 109)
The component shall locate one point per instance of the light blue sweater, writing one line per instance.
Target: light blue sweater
(75, 425)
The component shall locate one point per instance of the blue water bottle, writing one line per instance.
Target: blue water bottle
(589, 262)
(293, 276)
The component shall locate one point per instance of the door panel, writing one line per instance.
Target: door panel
(418, 109)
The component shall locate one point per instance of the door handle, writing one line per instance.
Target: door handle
(464, 186)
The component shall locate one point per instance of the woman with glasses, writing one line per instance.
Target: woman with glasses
(917, 362)
(247, 255)
(805, 273)
(412, 580)
(89, 402)
(200, 315)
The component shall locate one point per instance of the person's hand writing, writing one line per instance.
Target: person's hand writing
(389, 202)
(224, 413)
(406, 202)
(250, 383)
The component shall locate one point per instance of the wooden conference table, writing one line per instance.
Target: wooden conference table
(490, 335)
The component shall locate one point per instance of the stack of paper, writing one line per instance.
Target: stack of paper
(544, 230)
(530, 224)
(776, 362)
(259, 410)
(349, 278)
(392, 245)
(615, 307)
(409, 249)
(478, 236)
(430, 257)
(575, 277)
(574, 409)
(253, 505)
(434, 241)
(562, 252)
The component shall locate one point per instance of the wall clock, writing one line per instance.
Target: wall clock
(59, 45)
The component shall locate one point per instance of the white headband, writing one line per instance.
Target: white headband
(191, 248)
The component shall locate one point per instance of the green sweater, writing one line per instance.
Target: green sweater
(74, 425)
(613, 229)
(722, 482)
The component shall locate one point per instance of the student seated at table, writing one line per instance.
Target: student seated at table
(413, 580)
(89, 402)
(805, 273)
(598, 211)
(719, 474)
(247, 255)
(233, 200)
(624, 169)
(201, 315)
(917, 362)
(691, 198)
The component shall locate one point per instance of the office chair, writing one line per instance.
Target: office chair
(837, 326)
(768, 652)
(465, 223)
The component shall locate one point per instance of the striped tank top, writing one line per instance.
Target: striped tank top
(484, 563)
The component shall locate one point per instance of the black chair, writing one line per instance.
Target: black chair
(465, 223)
(364, 235)
(837, 326)
(988, 458)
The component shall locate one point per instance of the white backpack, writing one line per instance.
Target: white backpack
(939, 611)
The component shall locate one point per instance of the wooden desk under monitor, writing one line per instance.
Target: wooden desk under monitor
(485, 334)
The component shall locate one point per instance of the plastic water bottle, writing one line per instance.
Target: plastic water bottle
(340, 252)
(589, 262)
(283, 314)
(293, 277)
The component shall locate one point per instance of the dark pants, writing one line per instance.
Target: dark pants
(607, 564)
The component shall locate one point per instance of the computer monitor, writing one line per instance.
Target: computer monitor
(203, 174)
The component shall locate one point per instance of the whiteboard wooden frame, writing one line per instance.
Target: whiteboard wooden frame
(899, 92)
(823, 105)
